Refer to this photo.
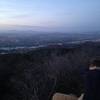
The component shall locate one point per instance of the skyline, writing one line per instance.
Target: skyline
(50, 15)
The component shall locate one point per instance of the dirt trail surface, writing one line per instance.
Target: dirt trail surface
(60, 96)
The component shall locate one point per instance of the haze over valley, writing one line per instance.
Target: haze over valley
(30, 40)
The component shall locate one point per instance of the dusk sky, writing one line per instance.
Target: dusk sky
(50, 15)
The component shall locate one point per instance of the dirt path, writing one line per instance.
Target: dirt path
(60, 96)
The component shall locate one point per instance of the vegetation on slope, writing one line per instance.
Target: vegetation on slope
(38, 74)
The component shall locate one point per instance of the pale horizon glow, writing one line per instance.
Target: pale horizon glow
(50, 15)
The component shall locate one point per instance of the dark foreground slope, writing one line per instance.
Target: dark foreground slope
(38, 74)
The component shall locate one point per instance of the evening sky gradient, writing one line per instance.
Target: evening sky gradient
(50, 15)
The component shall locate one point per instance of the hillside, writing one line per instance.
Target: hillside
(37, 74)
